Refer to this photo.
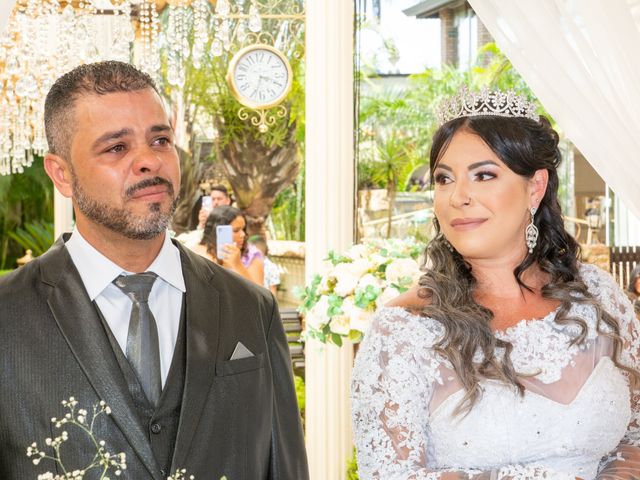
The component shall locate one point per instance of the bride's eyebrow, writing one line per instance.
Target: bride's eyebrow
(473, 166)
(443, 166)
(482, 164)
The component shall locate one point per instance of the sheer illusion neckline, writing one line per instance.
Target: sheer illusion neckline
(554, 403)
(506, 332)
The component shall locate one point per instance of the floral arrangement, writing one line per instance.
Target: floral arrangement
(103, 461)
(340, 300)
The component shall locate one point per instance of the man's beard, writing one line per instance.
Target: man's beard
(120, 220)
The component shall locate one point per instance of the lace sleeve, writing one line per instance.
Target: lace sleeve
(624, 462)
(394, 376)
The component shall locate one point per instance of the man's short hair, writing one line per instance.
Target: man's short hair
(98, 78)
(220, 188)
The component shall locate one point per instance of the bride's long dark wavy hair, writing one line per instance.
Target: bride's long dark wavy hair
(525, 146)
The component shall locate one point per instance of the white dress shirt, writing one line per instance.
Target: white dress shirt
(165, 300)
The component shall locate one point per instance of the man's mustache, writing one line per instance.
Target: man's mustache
(149, 182)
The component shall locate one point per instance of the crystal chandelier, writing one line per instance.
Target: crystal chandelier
(43, 40)
(46, 38)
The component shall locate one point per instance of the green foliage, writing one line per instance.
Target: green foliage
(403, 284)
(37, 237)
(309, 295)
(365, 298)
(298, 382)
(335, 305)
(288, 212)
(335, 258)
(24, 198)
(396, 125)
(352, 468)
(206, 91)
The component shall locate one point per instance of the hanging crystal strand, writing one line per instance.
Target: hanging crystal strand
(17, 152)
(200, 31)
(124, 34)
(223, 7)
(225, 34)
(255, 22)
(149, 32)
(241, 31)
(177, 43)
(5, 135)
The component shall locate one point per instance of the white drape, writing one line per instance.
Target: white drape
(5, 9)
(580, 58)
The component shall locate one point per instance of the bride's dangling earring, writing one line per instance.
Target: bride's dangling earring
(531, 233)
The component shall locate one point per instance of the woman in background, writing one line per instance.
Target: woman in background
(271, 271)
(239, 257)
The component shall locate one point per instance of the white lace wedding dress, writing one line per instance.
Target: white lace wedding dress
(577, 418)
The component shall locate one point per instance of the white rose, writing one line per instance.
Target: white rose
(324, 284)
(378, 259)
(402, 267)
(357, 251)
(359, 267)
(386, 296)
(317, 317)
(360, 320)
(348, 275)
(345, 285)
(340, 325)
(347, 306)
(370, 279)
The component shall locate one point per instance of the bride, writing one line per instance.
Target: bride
(511, 359)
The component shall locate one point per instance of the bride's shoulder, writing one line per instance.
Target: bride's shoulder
(404, 316)
(412, 300)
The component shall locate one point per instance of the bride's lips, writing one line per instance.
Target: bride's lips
(467, 223)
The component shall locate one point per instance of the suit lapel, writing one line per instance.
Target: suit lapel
(81, 327)
(202, 325)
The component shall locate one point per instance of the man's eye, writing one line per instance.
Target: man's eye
(162, 141)
(116, 148)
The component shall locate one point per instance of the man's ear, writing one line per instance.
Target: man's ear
(538, 186)
(59, 172)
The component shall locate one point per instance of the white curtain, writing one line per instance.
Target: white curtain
(581, 58)
(5, 9)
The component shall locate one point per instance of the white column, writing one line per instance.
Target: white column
(329, 220)
(5, 10)
(62, 214)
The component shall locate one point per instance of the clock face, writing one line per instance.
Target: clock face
(259, 76)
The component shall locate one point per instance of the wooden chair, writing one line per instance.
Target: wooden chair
(292, 322)
(622, 260)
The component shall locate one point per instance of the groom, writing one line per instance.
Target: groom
(191, 359)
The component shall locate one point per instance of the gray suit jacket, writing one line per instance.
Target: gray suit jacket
(239, 418)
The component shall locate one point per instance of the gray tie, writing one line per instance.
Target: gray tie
(143, 350)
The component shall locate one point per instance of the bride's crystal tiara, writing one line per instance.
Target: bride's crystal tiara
(486, 102)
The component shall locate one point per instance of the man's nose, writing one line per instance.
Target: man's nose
(146, 160)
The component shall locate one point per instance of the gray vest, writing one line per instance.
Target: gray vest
(160, 424)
